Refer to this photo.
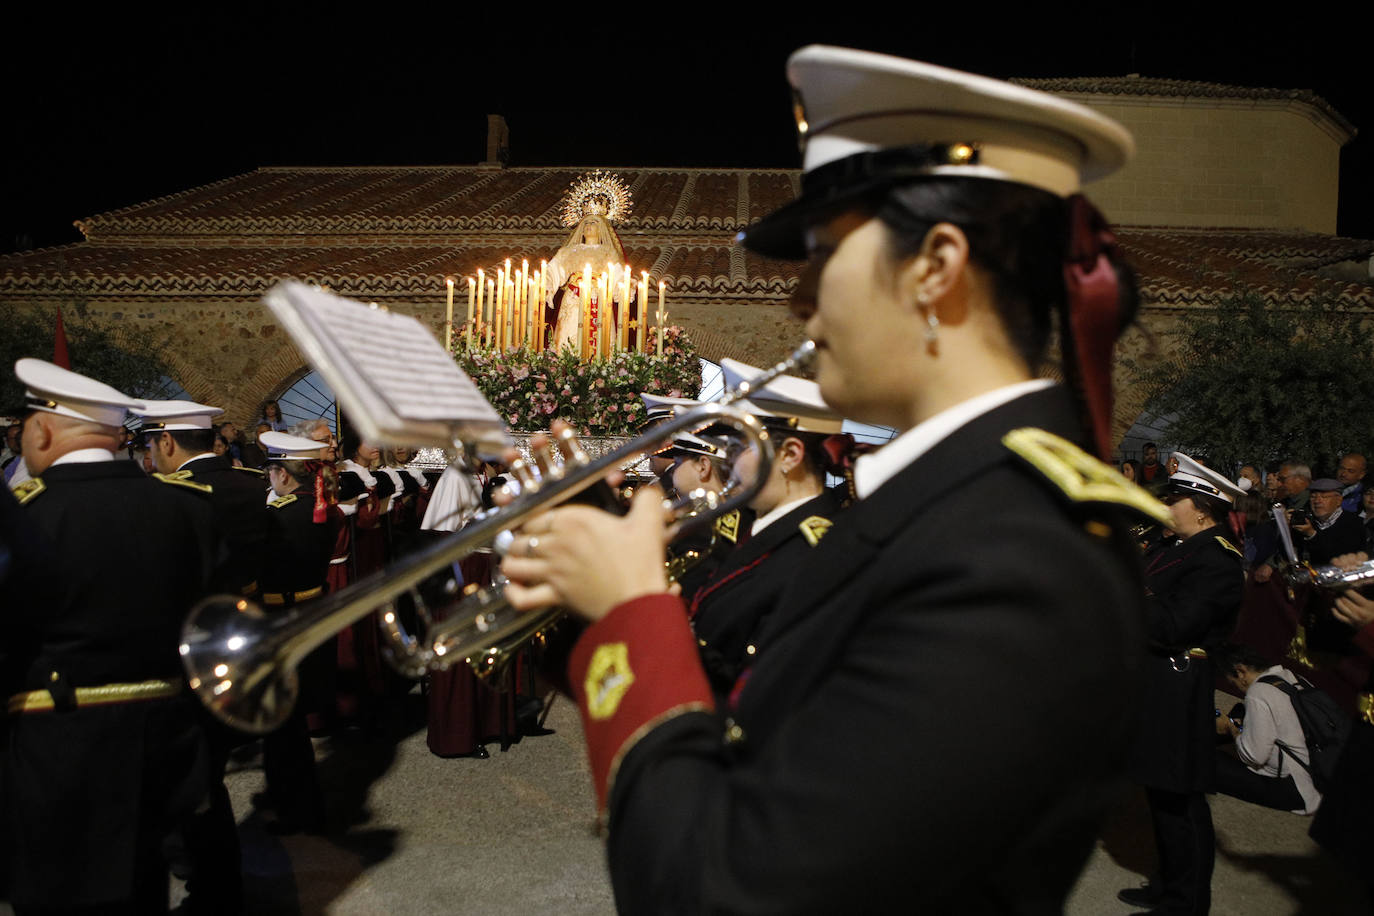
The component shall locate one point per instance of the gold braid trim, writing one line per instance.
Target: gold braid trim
(1364, 704)
(41, 700)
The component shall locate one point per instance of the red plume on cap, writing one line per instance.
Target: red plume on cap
(1094, 312)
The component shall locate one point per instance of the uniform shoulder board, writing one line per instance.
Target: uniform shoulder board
(727, 526)
(183, 474)
(28, 491)
(257, 471)
(1229, 546)
(814, 528)
(1082, 477)
(178, 481)
(286, 500)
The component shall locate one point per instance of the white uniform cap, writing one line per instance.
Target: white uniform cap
(52, 389)
(1192, 477)
(786, 401)
(660, 405)
(869, 121)
(287, 446)
(170, 416)
(690, 444)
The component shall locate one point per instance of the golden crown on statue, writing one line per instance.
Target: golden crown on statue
(599, 193)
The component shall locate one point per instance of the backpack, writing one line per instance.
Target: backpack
(1325, 728)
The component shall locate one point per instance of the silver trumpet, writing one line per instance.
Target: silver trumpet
(242, 661)
(1334, 577)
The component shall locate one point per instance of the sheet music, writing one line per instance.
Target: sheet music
(1285, 535)
(394, 380)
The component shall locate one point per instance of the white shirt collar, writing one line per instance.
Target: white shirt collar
(873, 470)
(766, 520)
(195, 458)
(84, 456)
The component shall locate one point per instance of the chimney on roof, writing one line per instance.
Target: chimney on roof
(498, 142)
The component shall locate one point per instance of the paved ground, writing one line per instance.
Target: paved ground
(513, 835)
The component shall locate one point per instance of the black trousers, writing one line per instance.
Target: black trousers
(1239, 781)
(1187, 850)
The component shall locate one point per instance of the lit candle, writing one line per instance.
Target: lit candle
(448, 325)
(500, 306)
(543, 269)
(472, 301)
(491, 311)
(481, 307)
(642, 332)
(662, 316)
(625, 310)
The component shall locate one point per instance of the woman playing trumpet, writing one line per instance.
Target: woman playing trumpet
(934, 716)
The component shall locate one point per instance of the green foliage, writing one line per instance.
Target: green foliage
(530, 390)
(125, 361)
(1252, 383)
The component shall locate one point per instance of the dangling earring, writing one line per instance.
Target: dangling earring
(932, 334)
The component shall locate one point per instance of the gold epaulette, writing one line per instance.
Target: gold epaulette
(814, 528)
(177, 480)
(1082, 477)
(727, 526)
(257, 471)
(28, 491)
(283, 501)
(1229, 546)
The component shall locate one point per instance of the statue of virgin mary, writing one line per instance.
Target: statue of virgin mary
(593, 241)
(592, 202)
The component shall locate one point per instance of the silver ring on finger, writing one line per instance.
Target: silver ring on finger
(532, 547)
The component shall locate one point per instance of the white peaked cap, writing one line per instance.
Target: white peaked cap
(52, 389)
(170, 416)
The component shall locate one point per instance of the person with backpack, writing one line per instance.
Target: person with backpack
(1274, 763)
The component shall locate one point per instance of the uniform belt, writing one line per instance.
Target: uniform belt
(1364, 706)
(105, 695)
(1182, 660)
(292, 597)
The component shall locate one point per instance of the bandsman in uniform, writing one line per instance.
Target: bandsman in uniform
(300, 540)
(793, 508)
(972, 623)
(180, 437)
(1193, 588)
(701, 463)
(106, 756)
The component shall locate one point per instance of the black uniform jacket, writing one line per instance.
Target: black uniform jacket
(729, 610)
(128, 555)
(238, 496)
(934, 719)
(298, 548)
(1193, 594)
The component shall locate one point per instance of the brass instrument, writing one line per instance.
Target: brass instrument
(242, 662)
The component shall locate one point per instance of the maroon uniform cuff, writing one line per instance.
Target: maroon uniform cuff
(632, 670)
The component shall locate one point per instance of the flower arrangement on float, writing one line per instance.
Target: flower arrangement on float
(530, 388)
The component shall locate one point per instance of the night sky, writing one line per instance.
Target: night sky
(104, 113)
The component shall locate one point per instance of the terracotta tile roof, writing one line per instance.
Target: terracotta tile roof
(396, 233)
(439, 199)
(1159, 87)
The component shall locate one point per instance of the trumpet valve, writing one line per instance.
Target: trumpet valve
(526, 474)
(573, 452)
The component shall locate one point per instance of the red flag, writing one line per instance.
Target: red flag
(59, 344)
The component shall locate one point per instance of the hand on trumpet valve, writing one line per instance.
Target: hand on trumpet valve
(588, 560)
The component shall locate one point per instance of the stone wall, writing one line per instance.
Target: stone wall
(1266, 164)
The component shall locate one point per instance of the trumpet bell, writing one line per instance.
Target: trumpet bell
(230, 651)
